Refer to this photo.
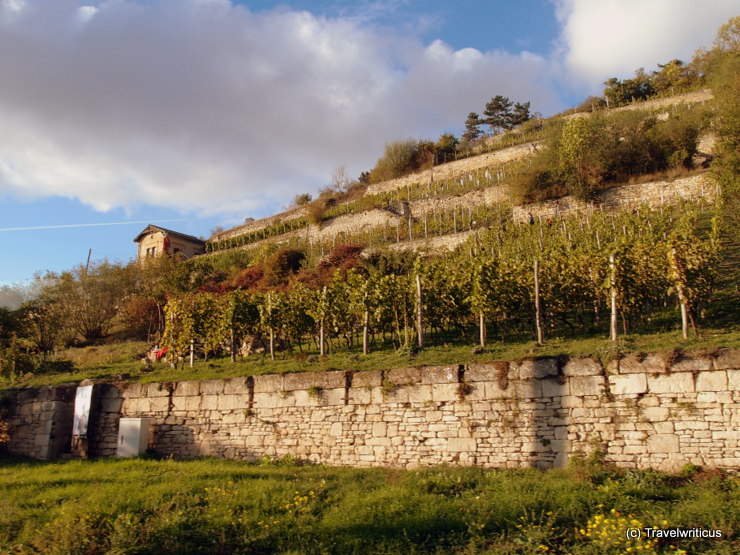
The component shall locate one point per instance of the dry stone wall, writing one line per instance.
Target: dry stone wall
(626, 197)
(640, 412)
(455, 169)
(40, 421)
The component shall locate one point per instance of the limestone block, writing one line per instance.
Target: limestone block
(232, 402)
(268, 383)
(663, 443)
(159, 404)
(212, 387)
(582, 367)
(404, 376)
(305, 399)
(440, 374)
(727, 359)
(494, 391)
(462, 444)
(663, 427)
(628, 384)
(419, 393)
(371, 378)
(671, 383)
(651, 364)
(336, 429)
(152, 390)
(187, 388)
(380, 429)
(209, 402)
(655, 414)
(445, 392)
(586, 385)
(192, 403)
(712, 381)
(236, 386)
(334, 396)
(178, 403)
(527, 389)
(398, 394)
(309, 380)
(475, 391)
(733, 380)
(538, 368)
(486, 372)
(131, 391)
(692, 364)
(359, 396)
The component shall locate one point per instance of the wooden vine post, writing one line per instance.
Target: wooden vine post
(365, 326)
(419, 313)
(613, 287)
(322, 349)
(482, 328)
(681, 292)
(537, 305)
(272, 331)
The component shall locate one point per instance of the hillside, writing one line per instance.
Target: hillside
(478, 182)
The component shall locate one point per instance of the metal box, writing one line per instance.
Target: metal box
(133, 436)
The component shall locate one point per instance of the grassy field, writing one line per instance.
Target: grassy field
(218, 506)
(122, 362)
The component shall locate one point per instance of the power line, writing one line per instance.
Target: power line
(31, 228)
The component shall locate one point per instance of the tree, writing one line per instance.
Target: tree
(498, 114)
(90, 298)
(519, 115)
(445, 148)
(301, 198)
(472, 129)
(619, 93)
(400, 158)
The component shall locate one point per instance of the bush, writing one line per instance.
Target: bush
(281, 265)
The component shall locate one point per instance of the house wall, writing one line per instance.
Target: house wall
(156, 239)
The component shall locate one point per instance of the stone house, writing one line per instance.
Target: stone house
(155, 241)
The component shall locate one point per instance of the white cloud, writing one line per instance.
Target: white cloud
(612, 38)
(204, 106)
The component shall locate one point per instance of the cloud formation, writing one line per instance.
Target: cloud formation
(206, 107)
(612, 38)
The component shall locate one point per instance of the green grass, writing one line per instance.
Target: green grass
(218, 506)
(121, 363)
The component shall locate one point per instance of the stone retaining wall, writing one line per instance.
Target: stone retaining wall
(626, 197)
(641, 412)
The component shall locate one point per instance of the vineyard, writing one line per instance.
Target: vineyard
(602, 273)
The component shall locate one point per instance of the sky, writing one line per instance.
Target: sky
(198, 113)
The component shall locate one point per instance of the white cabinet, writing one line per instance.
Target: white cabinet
(133, 435)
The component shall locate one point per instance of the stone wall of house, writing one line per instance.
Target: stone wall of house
(643, 412)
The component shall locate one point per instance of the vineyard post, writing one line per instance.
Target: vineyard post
(482, 327)
(192, 351)
(322, 350)
(365, 326)
(613, 286)
(272, 331)
(419, 314)
(682, 300)
(233, 344)
(537, 307)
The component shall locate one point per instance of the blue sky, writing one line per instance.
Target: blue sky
(211, 111)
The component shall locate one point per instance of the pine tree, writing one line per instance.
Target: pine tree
(472, 131)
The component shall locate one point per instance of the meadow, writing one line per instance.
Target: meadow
(279, 506)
